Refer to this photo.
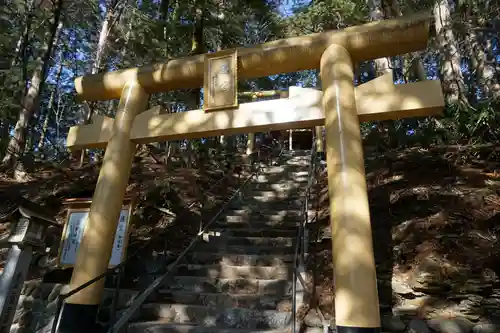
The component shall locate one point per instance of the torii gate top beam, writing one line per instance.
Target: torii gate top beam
(364, 42)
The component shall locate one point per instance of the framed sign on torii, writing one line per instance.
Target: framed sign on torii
(220, 81)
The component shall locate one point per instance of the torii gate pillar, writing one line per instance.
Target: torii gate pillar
(80, 310)
(356, 297)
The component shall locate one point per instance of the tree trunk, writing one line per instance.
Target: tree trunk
(4, 135)
(451, 74)
(30, 101)
(112, 15)
(492, 71)
(382, 65)
(22, 43)
(417, 69)
(50, 104)
(196, 48)
(164, 5)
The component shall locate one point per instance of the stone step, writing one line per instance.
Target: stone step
(220, 317)
(227, 227)
(289, 171)
(215, 246)
(280, 185)
(281, 190)
(285, 168)
(241, 286)
(238, 259)
(286, 172)
(161, 327)
(274, 191)
(265, 213)
(236, 272)
(255, 204)
(224, 300)
(273, 199)
(277, 179)
(255, 231)
(277, 219)
(259, 241)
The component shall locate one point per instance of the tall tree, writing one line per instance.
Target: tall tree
(449, 54)
(50, 106)
(30, 100)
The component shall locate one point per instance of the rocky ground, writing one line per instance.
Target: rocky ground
(436, 229)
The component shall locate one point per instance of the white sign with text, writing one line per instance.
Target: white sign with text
(74, 233)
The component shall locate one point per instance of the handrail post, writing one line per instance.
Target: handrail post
(116, 295)
(356, 297)
(80, 310)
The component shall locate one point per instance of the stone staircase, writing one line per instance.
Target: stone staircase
(239, 278)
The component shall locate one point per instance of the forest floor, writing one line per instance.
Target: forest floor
(434, 216)
(436, 230)
(169, 206)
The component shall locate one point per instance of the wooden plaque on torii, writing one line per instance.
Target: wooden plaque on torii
(220, 81)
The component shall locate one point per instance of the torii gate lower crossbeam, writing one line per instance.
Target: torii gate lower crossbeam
(356, 298)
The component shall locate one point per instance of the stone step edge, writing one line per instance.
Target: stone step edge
(200, 307)
(186, 328)
(166, 292)
(222, 246)
(262, 211)
(251, 237)
(199, 266)
(244, 226)
(249, 229)
(259, 281)
(264, 256)
(259, 256)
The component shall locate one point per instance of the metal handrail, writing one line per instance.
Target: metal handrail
(300, 246)
(110, 271)
(139, 300)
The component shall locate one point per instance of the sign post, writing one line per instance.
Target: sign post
(76, 221)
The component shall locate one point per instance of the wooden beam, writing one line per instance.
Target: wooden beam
(379, 99)
(94, 135)
(295, 112)
(364, 42)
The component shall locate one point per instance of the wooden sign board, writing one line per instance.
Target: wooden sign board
(74, 228)
(220, 81)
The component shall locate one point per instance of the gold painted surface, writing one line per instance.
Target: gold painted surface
(356, 297)
(94, 134)
(381, 99)
(301, 110)
(250, 117)
(220, 81)
(97, 242)
(364, 42)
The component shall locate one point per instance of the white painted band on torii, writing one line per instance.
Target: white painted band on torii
(378, 99)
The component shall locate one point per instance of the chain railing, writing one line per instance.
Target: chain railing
(118, 269)
(301, 241)
(139, 300)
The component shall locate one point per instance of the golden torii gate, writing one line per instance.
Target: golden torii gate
(339, 107)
